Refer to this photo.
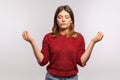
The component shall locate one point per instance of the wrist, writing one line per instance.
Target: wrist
(92, 42)
(32, 41)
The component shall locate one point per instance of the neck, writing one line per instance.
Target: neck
(64, 31)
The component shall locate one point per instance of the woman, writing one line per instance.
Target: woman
(63, 48)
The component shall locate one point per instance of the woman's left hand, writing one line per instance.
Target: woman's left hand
(98, 37)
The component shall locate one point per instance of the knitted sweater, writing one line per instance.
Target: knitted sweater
(63, 54)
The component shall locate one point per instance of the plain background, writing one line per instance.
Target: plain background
(17, 61)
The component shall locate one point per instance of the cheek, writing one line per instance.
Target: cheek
(59, 22)
(69, 22)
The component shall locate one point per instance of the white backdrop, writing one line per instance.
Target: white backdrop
(17, 61)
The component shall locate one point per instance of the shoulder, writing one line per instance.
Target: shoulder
(79, 35)
(48, 34)
(46, 37)
(80, 38)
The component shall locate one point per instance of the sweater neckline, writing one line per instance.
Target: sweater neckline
(64, 35)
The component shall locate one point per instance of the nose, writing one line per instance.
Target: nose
(63, 19)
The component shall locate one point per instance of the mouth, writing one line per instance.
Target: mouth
(63, 24)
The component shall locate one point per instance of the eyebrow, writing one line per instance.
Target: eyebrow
(65, 15)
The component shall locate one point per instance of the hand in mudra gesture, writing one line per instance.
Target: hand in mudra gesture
(98, 37)
(27, 36)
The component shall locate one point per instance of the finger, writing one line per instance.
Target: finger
(25, 34)
(100, 35)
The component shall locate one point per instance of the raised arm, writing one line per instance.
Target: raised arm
(39, 56)
(85, 57)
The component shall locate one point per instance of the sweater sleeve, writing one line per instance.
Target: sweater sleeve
(45, 51)
(81, 50)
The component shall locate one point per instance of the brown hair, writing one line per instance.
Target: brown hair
(55, 29)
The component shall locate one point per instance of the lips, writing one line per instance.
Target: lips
(63, 24)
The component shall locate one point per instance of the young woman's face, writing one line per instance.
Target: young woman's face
(64, 20)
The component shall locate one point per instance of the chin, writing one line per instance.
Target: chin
(64, 27)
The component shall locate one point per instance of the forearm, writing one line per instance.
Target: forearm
(85, 57)
(39, 56)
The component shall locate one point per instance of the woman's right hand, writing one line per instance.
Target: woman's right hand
(27, 37)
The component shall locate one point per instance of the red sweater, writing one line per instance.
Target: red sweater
(63, 54)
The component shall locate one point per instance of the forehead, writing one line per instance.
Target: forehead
(63, 12)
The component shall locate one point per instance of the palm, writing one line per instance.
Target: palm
(27, 37)
(98, 37)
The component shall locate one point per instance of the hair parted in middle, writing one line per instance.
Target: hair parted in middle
(55, 29)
